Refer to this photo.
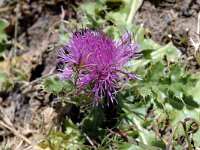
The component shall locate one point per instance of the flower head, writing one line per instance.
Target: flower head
(95, 59)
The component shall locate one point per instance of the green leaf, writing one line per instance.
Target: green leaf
(91, 7)
(56, 85)
(5, 82)
(92, 19)
(175, 73)
(176, 103)
(190, 102)
(3, 24)
(126, 12)
(127, 146)
(155, 72)
(3, 48)
(195, 92)
(171, 52)
(71, 138)
(177, 89)
(160, 91)
(139, 35)
(149, 44)
(144, 90)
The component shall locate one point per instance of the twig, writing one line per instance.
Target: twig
(19, 45)
(156, 128)
(6, 119)
(8, 124)
(34, 144)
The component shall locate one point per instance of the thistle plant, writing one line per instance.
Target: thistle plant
(196, 42)
(92, 59)
(92, 69)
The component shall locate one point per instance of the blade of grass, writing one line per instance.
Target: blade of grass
(134, 7)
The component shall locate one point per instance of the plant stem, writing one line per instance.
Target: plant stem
(134, 7)
(140, 129)
(187, 137)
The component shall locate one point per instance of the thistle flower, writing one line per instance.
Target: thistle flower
(92, 58)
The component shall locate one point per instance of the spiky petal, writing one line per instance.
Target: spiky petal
(96, 60)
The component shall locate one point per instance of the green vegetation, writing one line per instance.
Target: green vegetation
(149, 110)
(3, 38)
(160, 111)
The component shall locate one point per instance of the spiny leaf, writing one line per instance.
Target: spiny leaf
(155, 72)
(160, 91)
(144, 90)
(171, 52)
(175, 73)
(178, 89)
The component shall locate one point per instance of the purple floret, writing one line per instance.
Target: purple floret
(96, 60)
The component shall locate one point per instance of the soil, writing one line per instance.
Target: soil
(172, 21)
(26, 108)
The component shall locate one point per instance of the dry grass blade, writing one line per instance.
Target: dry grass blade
(156, 128)
(15, 132)
(34, 144)
(6, 123)
(18, 146)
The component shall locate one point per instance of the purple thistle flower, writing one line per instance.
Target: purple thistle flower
(92, 58)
